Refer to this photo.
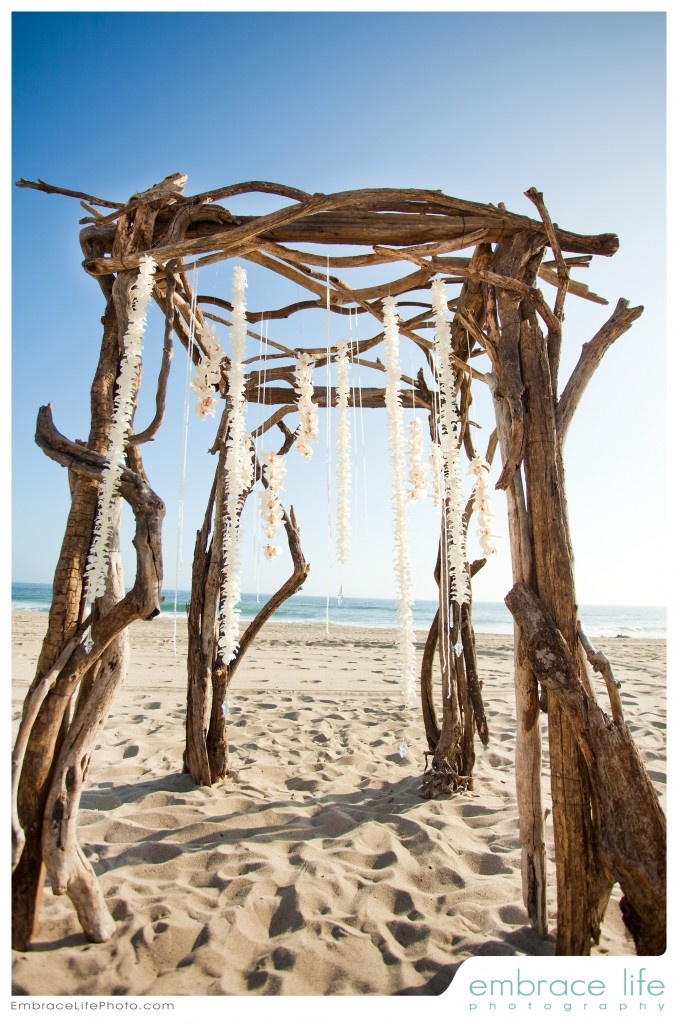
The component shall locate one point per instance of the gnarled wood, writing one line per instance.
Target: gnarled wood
(497, 311)
(630, 825)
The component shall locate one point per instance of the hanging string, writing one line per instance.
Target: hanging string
(353, 355)
(328, 451)
(184, 455)
(258, 447)
(362, 431)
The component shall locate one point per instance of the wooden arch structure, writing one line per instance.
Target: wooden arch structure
(608, 825)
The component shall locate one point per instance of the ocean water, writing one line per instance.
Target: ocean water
(379, 613)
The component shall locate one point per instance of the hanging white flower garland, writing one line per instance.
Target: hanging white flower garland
(308, 411)
(207, 375)
(460, 590)
(417, 470)
(435, 459)
(399, 498)
(479, 468)
(239, 470)
(343, 453)
(123, 410)
(271, 508)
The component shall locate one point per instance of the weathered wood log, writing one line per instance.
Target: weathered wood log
(65, 616)
(201, 641)
(142, 601)
(528, 755)
(320, 219)
(582, 881)
(206, 752)
(592, 353)
(629, 823)
(68, 869)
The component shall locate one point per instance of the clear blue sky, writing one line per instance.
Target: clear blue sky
(482, 106)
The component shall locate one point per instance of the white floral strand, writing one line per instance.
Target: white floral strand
(271, 508)
(480, 468)
(399, 498)
(417, 471)
(308, 411)
(123, 410)
(238, 474)
(437, 474)
(449, 441)
(207, 375)
(344, 467)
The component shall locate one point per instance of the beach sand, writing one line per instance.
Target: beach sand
(315, 867)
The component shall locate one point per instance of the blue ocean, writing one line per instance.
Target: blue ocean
(488, 617)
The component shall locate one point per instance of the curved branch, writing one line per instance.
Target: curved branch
(167, 352)
(37, 698)
(591, 355)
(290, 587)
(42, 186)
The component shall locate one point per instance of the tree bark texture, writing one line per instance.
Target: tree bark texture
(206, 752)
(528, 724)
(629, 823)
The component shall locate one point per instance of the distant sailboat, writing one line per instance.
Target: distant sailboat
(340, 595)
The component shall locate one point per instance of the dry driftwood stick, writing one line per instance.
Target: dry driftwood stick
(583, 884)
(42, 186)
(69, 870)
(591, 355)
(202, 613)
(222, 674)
(244, 187)
(555, 333)
(600, 664)
(628, 819)
(577, 288)
(33, 705)
(163, 376)
(431, 726)
(563, 272)
(528, 756)
(301, 569)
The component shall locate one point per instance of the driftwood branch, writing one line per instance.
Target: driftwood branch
(600, 664)
(291, 586)
(627, 817)
(163, 376)
(42, 186)
(555, 334)
(591, 355)
(35, 702)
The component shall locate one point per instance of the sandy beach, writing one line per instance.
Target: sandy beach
(315, 867)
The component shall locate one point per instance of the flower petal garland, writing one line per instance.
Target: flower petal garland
(417, 471)
(207, 375)
(238, 474)
(308, 412)
(460, 590)
(479, 468)
(437, 474)
(271, 509)
(344, 453)
(399, 498)
(123, 410)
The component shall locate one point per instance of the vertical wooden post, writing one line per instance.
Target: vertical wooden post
(523, 379)
(528, 724)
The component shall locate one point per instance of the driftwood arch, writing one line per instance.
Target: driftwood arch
(608, 825)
